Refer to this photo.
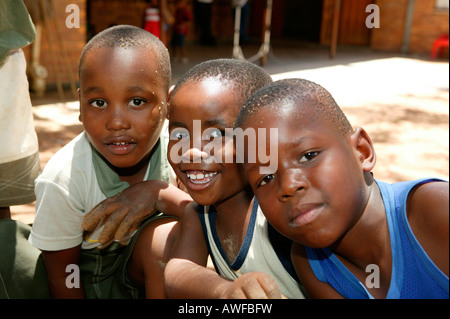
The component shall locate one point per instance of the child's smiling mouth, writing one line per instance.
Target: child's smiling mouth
(199, 180)
(200, 177)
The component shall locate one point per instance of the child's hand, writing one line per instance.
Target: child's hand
(253, 285)
(123, 211)
(134, 204)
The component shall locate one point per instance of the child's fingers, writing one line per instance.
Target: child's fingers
(270, 287)
(256, 286)
(255, 291)
(132, 219)
(102, 209)
(112, 224)
(238, 294)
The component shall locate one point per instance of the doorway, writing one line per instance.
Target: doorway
(294, 19)
(302, 20)
(352, 26)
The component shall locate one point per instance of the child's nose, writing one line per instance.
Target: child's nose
(195, 155)
(290, 182)
(117, 119)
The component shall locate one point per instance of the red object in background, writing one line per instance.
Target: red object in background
(439, 45)
(152, 21)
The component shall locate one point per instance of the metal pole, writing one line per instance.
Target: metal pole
(408, 23)
(265, 47)
(237, 51)
(335, 30)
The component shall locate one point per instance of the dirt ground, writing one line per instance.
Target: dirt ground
(403, 103)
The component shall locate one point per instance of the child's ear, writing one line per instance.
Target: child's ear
(168, 100)
(169, 95)
(364, 147)
(79, 103)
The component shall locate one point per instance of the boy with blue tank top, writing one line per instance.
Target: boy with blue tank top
(354, 236)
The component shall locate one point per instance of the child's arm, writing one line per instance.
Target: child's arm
(428, 215)
(56, 263)
(133, 205)
(186, 275)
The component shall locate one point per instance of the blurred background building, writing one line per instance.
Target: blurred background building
(406, 26)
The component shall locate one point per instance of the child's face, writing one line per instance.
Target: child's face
(122, 103)
(317, 192)
(214, 106)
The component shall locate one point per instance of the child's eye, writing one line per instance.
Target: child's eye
(266, 179)
(136, 102)
(179, 133)
(212, 133)
(308, 157)
(98, 103)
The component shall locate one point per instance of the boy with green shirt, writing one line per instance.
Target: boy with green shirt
(124, 82)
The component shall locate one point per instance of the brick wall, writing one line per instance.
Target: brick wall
(389, 37)
(427, 24)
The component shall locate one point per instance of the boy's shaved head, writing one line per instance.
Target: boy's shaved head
(245, 77)
(300, 93)
(131, 37)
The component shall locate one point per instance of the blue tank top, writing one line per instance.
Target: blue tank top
(414, 275)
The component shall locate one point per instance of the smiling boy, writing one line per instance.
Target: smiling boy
(224, 218)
